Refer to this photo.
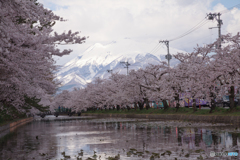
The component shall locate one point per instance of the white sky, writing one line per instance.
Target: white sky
(142, 20)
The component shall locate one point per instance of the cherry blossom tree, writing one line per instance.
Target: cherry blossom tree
(123, 94)
(204, 73)
(61, 99)
(27, 44)
(139, 83)
(226, 65)
(155, 78)
(192, 72)
(76, 100)
(208, 71)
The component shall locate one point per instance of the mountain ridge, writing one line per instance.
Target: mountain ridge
(98, 58)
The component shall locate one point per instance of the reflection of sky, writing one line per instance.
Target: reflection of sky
(228, 140)
(110, 138)
(207, 138)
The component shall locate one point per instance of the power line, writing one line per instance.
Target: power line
(156, 48)
(197, 39)
(200, 24)
(203, 22)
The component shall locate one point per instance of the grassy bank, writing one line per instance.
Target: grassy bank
(4, 122)
(182, 111)
(9, 114)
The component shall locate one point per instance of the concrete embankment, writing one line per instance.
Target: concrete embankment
(196, 118)
(5, 129)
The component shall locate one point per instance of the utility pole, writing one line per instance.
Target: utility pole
(127, 64)
(109, 70)
(211, 16)
(168, 56)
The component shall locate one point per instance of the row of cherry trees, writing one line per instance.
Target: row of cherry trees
(27, 47)
(209, 72)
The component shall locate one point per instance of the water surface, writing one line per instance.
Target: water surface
(118, 138)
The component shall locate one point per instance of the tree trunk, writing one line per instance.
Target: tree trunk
(118, 107)
(147, 104)
(141, 104)
(166, 106)
(128, 108)
(135, 106)
(177, 101)
(194, 105)
(235, 137)
(177, 106)
(231, 98)
(213, 105)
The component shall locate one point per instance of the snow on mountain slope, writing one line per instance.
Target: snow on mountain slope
(99, 58)
(69, 77)
(71, 80)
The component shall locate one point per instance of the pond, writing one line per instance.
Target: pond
(119, 138)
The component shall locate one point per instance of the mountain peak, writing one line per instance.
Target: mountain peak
(98, 58)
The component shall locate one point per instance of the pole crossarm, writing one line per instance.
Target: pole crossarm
(109, 70)
(212, 16)
(126, 64)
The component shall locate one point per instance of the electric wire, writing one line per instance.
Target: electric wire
(157, 49)
(154, 48)
(200, 24)
(204, 22)
(197, 26)
(198, 39)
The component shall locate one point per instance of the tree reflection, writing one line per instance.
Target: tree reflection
(197, 136)
(235, 137)
(115, 137)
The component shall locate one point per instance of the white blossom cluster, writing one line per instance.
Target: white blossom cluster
(27, 44)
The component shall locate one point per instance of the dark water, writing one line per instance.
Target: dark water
(121, 138)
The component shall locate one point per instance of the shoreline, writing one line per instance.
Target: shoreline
(11, 126)
(180, 117)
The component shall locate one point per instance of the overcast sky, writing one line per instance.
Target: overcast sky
(143, 20)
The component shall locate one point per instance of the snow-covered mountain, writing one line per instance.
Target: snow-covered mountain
(99, 58)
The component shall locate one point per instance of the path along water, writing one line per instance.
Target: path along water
(118, 138)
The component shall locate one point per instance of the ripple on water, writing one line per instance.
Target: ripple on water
(118, 138)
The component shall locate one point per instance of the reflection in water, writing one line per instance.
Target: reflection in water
(103, 138)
